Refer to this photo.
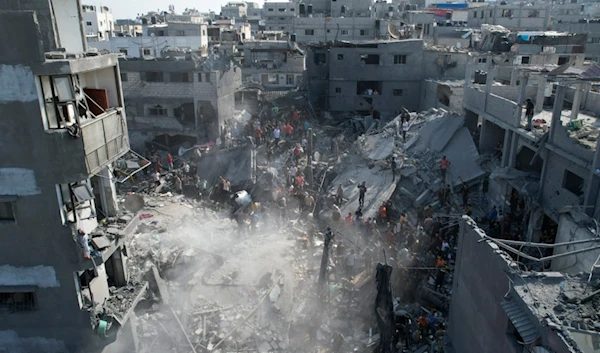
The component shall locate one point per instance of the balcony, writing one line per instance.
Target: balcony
(104, 140)
(499, 110)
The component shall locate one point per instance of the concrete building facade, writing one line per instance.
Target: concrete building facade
(191, 97)
(279, 16)
(158, 39)
(341, 74)
(273, 64)
(99, 23)
(235, 10)
(58, 183)
(521, 16)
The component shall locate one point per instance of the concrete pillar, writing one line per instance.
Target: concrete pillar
(108, 192)
(489, 82)
(514, 143)
(196, 115)
(523, 80)
(506, 147)
(559, 102)
(576, 101)
(482, 134)
(435, 35)
(539, 97)
(514, 76)
(470, 71)
(592, 190)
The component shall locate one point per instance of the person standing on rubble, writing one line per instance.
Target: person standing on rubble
(186, 168)
(529, 109)
(362, 190)
(444, 164)
(339, 196)
(404, 114)
(405, 128)
(156, 178)
(170, 161)
(464, 191)
(394, 166)
(276, 135)
(297, 153)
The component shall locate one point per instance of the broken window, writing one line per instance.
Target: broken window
(397, 92)
(525, 60)
(563, 60)
(491, 13)
(60, 101)
(123, 51)
(270, 10)
(364, 32)
(309, 32)
(153, 76)
(369, 59)
(533, 13)
(338, 90)
(320, 58)
(573, 183)
(344, 32)
(281, 10)
(474, 14)
(506, 13)
(181, 77)
(146, 51)
(399, 59)
(76, 201)
(482, 60)
(200, 77)
(124, 77)
(481, 15)
(340, 56)
(17, 298)
(7, 212)
(88, 23)
(157, 110)
(207, 77)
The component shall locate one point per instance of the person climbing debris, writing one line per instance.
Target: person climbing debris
(362, 190)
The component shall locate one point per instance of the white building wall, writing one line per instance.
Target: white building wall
(68, 25)
(314, 30)
(137, 47)
(98, 26)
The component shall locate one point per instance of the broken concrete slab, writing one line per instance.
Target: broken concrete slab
(437, 133)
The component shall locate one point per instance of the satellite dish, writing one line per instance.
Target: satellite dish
(393, 31)
(458, 45)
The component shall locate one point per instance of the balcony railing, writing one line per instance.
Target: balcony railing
(104, 139)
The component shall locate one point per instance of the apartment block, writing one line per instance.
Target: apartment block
(273, 64)
(57, 289)
(188, 96)
(279, 16)
(522, 16)
(235, 10)
(385, 75)
(99, 23)
(159, 39)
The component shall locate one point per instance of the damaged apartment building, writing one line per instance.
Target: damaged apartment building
(500, 305)
(179, 94)
(63, 126)
(348, 76)
(273, 64)
(553, 168)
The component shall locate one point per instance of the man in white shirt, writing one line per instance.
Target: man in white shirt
(276, 135)
(404, 129)
(186, 168)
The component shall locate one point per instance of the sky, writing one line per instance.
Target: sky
(122, 9)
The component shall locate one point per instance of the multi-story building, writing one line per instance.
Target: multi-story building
(555, 165)
(385, 75)
(591, 27)
(310, 30)
(159, 38)
(179, 95)
(56, 187)
(279, 16)
(127, 28)
(99, 23)
(521, 16)
(274, 64)
(234, 10)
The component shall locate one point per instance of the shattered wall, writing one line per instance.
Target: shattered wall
(445, 64)
(477, 321)
(573, 229)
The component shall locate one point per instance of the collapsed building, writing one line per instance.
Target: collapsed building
(179, 94)
(64, 280)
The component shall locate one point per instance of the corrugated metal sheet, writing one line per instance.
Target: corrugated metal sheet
(528, 329)
(592, 73)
